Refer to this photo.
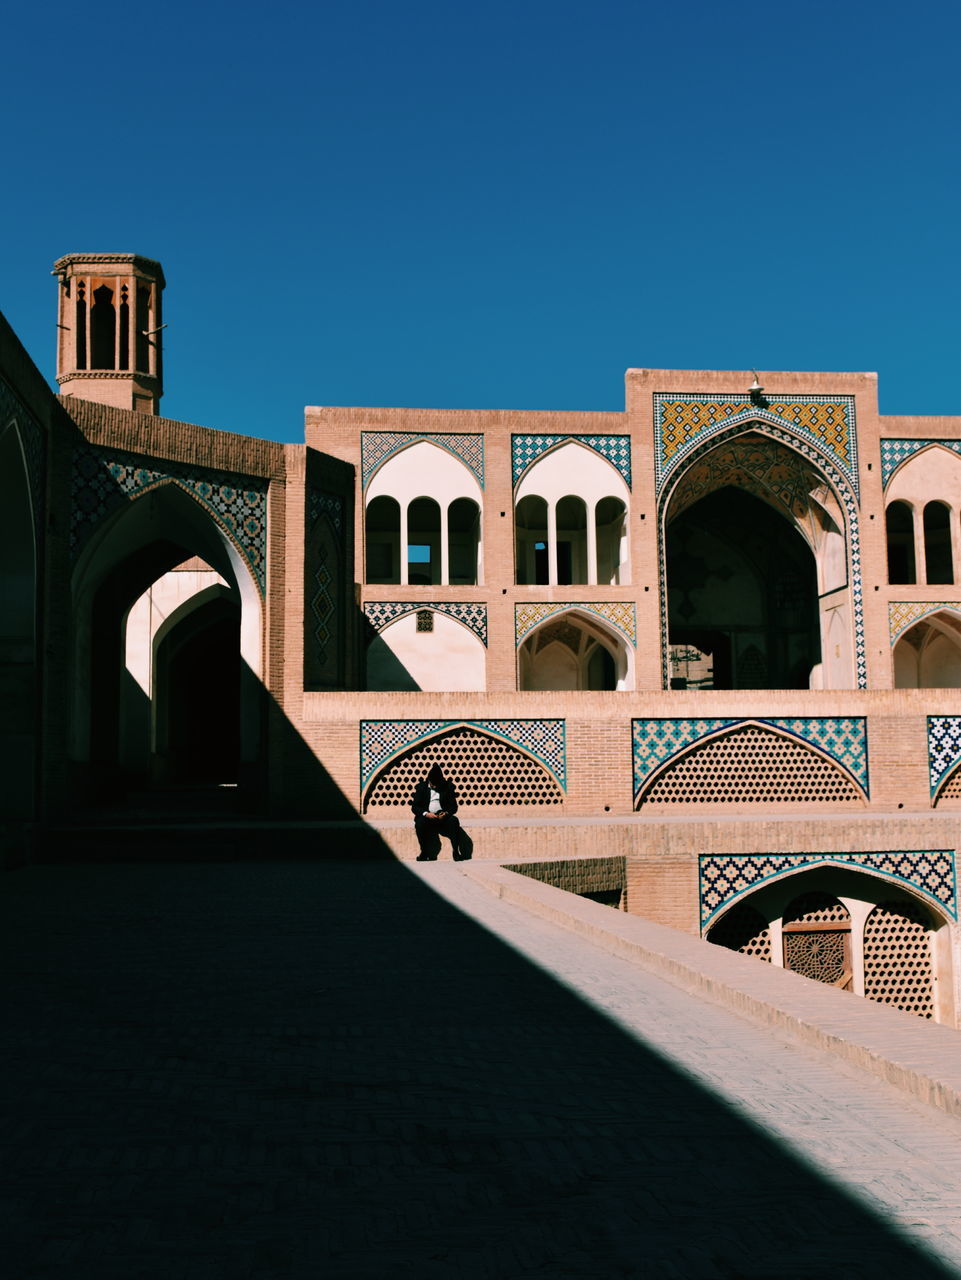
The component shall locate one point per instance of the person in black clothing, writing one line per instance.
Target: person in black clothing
(434, 803)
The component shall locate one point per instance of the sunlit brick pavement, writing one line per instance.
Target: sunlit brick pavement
(251, 1070)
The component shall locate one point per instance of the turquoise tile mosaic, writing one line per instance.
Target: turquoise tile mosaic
(525, 450)
(615, 614)
(894, 452)
(104, 479)
(725, 877)
(380, 613)
(843, 738)
(377, 446)
(381, 740)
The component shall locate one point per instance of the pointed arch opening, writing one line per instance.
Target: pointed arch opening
(574, 650)
(849, 927)
(758, 593)
(928, 655)
(113, 718)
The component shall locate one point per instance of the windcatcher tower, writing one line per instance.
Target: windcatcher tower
(108, 329)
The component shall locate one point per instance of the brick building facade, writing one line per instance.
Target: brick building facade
(713, 641)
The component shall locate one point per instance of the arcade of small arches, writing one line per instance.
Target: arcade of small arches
(851, 930)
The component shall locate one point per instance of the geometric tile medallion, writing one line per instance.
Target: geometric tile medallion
(380, 740)
(377, 446)
(894, 452)
(527, 449)
(621, 616)
(906, 612)
(683, 422)
(105, 479)
(839, 479)
(843, 738)
(320, 503)
(725, 876)
(944, 747)
(381, 613)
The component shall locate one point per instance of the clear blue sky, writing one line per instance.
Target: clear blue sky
(497, 205)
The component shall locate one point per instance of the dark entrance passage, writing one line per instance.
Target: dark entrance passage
(198, 675)
(742, 594)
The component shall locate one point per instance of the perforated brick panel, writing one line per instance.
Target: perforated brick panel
(897, 957)
(484, 771)
(751, 765)
(743, 929)
(952, 788)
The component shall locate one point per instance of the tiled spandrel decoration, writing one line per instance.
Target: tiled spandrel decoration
(381, 613)
(616, 614)
(728, 876)
(905, 613)
(104, 479)
(944, 751)
(657, 742)
(527, 449)
(383, 740)
(683, 422)
(894, 452)
(377, 446)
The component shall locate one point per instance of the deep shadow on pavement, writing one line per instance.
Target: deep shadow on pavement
(291, 1069)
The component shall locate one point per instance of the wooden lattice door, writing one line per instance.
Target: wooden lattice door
(816, 929)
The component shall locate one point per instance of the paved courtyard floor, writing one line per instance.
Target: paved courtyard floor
(268, 1070)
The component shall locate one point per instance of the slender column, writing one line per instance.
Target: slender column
(920, 560)
(444, 549)
(403, 544)
(87, 312)
(552, 544)
(592, 546)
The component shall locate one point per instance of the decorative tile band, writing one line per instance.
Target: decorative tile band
(944, 748)
(381, 740)
(905, 613)
(618, 615)
(527, 449)
(725, 877)
(894, 452)
(844, 739)
(843, 490)
(682, 422)
(104, 479)
(377, 446)
(473, 616)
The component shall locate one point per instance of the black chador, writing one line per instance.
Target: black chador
(434, 803)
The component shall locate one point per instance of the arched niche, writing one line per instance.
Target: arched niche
(586, 502)
(18, 666)
(447, 541)
(574, 650)
(167, 602)
(928, 655)
(897, 942)
(757, 581)
(899, 530)
(932, 475)
(144, 540)
(382, 541)
(427, 650)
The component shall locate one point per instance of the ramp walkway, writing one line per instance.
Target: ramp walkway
(359, 1069)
